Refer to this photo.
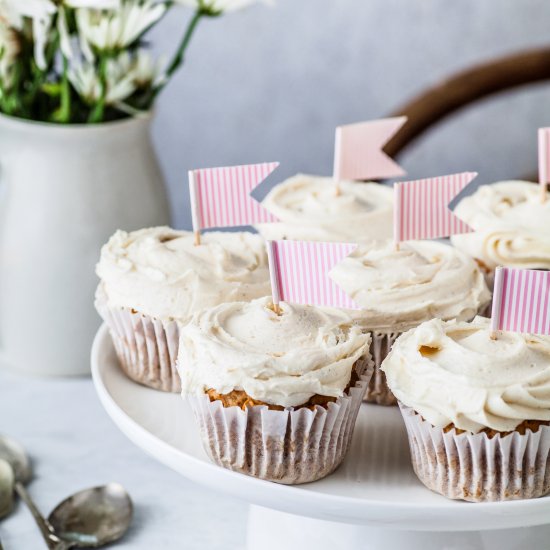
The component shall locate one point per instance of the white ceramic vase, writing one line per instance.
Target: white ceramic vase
(63, 191)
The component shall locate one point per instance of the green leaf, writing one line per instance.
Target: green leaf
(53, 89)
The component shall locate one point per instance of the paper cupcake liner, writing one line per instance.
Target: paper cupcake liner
(290, 446)
(378, 391)
(147, 348)
(475, 467)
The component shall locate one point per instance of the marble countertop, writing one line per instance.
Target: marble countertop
(74, 445)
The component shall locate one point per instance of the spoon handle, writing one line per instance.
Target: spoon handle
(45, 528)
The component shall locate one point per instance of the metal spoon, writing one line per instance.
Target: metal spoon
(7, 480)
(93, 517)
(14, 454)
(89, 519)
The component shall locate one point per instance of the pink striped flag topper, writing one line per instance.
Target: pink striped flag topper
(358, 151)
(544, 159)
(220, 197)
(300, 273)
(521, 301)
(422, 207)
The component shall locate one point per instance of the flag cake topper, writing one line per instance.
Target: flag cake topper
(299, 273)
(544, 161)
(422, 207)
(521, 301)
(358, 151)
(220, 197)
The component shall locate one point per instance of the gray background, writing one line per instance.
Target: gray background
(271, 83)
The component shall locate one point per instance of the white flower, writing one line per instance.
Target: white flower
(64, 36)
(10, 15)
(9, 50)
(124, 75)
(15, 10)
(116, 29)
(93, 4)
(146, 72)
(86, 82)
(220, 6)
(41, 12)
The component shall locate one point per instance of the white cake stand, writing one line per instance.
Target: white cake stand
(373, 501)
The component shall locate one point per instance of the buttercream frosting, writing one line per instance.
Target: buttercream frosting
(278, 359)
(310, 209)
(453, 372)
(398, 288)
(512, 225)
(161, 273)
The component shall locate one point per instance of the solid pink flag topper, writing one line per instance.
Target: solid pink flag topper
(521, 301)
(300, 272)
(422, 210)
(220, 197)
(358, 151)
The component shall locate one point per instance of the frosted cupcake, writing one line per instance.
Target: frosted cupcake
(154, 279)
(397, 289)
(275, 396)
(512, 226)
(477, 410)
(310, 210)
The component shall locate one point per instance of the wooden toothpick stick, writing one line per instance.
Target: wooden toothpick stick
(544, 161)
(497, 302)
(195, 213)
(271, 248)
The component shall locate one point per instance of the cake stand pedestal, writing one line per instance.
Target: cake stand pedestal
(372, 502)
(272, 530)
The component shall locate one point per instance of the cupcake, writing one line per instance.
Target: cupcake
(477, 410)
(310, 209)
(275, 396)
(397, 289)
(512, 226)
(153, 280)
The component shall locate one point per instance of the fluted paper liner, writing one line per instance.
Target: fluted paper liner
(475, 467)
(381, 344)
(378, 391)
(147, 348)
(290, 446)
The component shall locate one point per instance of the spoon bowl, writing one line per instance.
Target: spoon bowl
(14, 454)
(88, 519)
(7, 481)
(93, 517)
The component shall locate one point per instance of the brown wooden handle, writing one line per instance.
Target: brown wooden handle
(468, 87)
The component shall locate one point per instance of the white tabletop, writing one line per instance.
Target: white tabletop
(74, 445)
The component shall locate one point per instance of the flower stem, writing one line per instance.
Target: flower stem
(178, 58)
(64, 114)
(98, 111)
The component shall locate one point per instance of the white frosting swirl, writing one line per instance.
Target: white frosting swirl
(279, 359)
(512, 225)
(400, 288)
(310, 209)
(453, 372)
(161, 273)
